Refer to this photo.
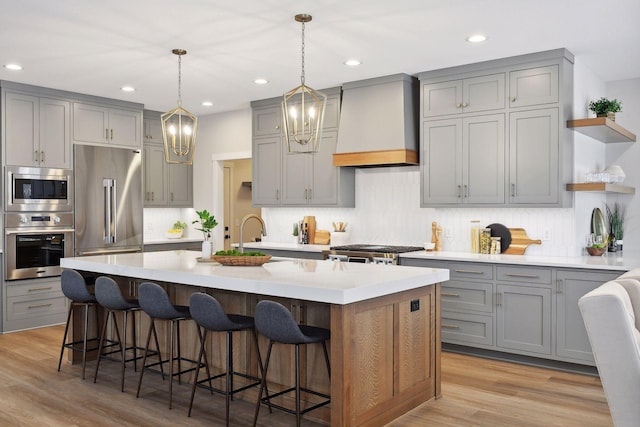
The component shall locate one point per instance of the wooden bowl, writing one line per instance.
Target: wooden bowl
(596, 251)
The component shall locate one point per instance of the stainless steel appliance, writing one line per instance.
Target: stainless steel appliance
(35, 242)
(39, 189)
(365, 253)
(108, 200)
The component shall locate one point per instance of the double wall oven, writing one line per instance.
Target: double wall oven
(38, 220)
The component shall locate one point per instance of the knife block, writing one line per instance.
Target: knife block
(310, 222)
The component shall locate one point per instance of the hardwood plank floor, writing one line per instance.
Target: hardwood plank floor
(476, 392)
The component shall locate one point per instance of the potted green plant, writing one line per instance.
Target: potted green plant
(604, 107)
(206, 222)
(177, 231)
(616, 217)
(295, 232)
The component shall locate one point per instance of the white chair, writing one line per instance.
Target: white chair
(611, 315)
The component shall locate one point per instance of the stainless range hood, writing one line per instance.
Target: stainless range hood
(378, 122)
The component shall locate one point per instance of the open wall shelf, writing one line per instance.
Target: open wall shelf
(602, 129)
(601, 186)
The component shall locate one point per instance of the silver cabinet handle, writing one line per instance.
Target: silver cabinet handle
(40, 289)
(310, 197)
(513, 99)
(153, 197)
(41, 156)
(106, 134)
(469, 271)
(513, 190)
(172, 196)
(458, 104)
(446, 326)
(277, 194)
(526, 276)
(464, 104)
(448, 294)
(277, 126)
(39, 306)
(466, 191)
(35, 156)
(459, 191)
(499, 299)
(559, 284)
(112, 134)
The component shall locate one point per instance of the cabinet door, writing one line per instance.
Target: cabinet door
(155, 193)
(484, 159)
(55, 140)
(324, 177)
(534, 86)
(90, 123)
(523, 315)
(267, 121)
(442, 162)
(533, 157)
(571, 336)
(152, 130)
(21, 128)
(295, 182)
(440, 99)
(267, 155)
(483, 93)
(180, 184)
(125, 127)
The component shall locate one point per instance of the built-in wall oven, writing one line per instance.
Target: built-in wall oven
(35, 242)
(38, 189)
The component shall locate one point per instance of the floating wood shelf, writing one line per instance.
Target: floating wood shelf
(602, 129)
(601, 186)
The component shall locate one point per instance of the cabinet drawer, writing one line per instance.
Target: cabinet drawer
(46, 305)
(32, 288)
(460, 328)
(528, 275)
(474, 296)
(471, 271)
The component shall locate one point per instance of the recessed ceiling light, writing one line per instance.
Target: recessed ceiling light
(261, 81)
(207, 103)
(352, 62)
(127, 89)
(13, 67)
(476, 38)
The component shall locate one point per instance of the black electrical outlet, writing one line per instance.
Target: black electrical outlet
(415, 305)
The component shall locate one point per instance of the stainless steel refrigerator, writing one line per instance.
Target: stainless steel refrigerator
(108, 200)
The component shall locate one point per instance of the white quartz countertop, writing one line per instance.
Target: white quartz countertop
(610, 261)
(276, 246)
(330, 282)
(160, 240)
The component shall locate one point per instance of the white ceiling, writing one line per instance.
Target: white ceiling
(97, 47)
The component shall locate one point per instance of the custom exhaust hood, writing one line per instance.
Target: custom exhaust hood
(378, 122)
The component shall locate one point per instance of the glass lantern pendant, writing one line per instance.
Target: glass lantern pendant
(303, 111)
(179, 127)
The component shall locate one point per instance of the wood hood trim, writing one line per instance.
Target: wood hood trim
(377, 158)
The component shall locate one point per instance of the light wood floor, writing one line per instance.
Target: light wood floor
(476, 392)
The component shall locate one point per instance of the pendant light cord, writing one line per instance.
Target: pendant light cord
(179, 80)
(302, 76)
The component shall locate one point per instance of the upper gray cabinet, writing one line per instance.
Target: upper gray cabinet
(284, 179)
(152, 127)
(470, 95)
(36, 130)
(487, 143)
(103, 124)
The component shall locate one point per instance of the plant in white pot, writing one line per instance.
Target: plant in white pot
(206, 222)
(604, 107)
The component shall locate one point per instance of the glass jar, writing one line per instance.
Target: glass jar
(485, 240)
(495, 246)
(475, 236)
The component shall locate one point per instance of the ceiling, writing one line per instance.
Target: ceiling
(97, 47)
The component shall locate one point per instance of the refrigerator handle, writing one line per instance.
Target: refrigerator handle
(114, 210)
(106, 185)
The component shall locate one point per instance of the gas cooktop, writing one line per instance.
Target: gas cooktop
(377, 248)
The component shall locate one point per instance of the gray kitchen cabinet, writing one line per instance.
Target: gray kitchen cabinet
(534, 86)
(36, 131)
(463, 161)
(33, 303)
(469, 95)
(166, 184)
(571, 336)
(152, 127)
(533, 157)
(101, 124)
(266, 171)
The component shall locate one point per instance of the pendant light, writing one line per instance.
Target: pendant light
(303, 111)
(179, 126)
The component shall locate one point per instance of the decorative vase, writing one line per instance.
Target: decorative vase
(207, 247)
(611, 116)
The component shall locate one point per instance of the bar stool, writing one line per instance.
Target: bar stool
(110, 297)
(74, 287)
(209, 315)
(275, 322)
(155, 302)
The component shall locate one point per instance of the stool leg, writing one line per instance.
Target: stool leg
(260, 365)
(298, 415)
(100, 345)
(229, 375)
(263, 385)
(326, 358)
(123, 348)
(203, 338)
(155, 337)
(171, 327)
(152, 329)
(64, 337)
(135, 341)
(84, 341)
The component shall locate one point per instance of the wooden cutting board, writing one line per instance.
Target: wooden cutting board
(519, 242)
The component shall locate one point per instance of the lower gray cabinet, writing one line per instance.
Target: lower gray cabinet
(571, 336)
(466, 329)
(33, 303)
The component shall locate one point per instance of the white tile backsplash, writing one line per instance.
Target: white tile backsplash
(388, 212)
(158, 220)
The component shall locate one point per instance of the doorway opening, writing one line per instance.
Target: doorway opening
(238, 202)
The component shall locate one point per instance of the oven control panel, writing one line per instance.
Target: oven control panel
(38, 220)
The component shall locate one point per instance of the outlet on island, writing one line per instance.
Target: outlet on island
(415, 305)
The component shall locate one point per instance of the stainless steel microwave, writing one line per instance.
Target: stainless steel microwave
(39, 189)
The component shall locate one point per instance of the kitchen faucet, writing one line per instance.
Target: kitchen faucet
(244, 220)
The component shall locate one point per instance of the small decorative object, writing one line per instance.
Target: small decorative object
(616, 217)
(233, 257)
(207, 222)
(604, 107)
(177, 231)
(615, 174)
(296, 228)
(596, 244)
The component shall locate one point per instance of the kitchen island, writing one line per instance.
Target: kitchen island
(384, 321)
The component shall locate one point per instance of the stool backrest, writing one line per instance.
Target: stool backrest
(109, 295)
(74, 286)
(155, 302)
(275, 321)
(208, 313)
